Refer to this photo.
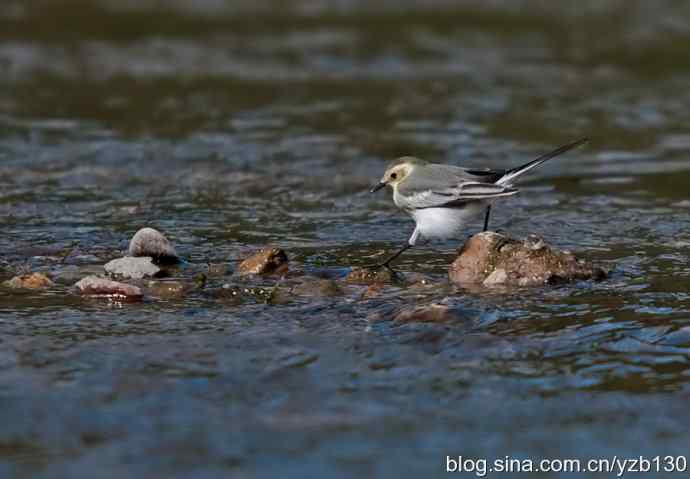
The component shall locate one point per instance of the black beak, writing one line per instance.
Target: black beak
(377, 187)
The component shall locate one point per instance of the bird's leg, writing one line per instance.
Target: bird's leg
(387, 263)
(410, 243)
(486, 218)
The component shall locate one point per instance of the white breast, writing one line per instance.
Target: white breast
(444, 223)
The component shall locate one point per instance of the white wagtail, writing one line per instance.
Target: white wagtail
(442, 198)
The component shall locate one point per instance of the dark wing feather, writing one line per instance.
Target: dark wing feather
(486, 175)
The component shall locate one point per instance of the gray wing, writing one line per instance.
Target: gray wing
(445, 186)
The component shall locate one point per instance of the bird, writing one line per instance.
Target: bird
(443, 198)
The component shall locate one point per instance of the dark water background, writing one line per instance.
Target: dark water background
(229, 125)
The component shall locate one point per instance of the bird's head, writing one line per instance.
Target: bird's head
(397, 172)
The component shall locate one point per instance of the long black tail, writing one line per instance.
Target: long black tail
(521, 170)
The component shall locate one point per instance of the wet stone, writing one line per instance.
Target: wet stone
(228, 291)
(30, 281)
(217, 269)
(4, 266)
(70, 274)
(373, 290)
(168, 289)
(492, 259)
(267, 261)
(432, 313)
(132, 268)
(369, 276)
(151, 242)
(317, 287)
(102, 287)
(419, 281)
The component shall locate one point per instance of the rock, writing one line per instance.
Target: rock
(70, 274)
(499, 276)
(101, 287)
(30, 281)
(216, 270)
(419, 281)
(369, 276)
(239, 294)
(151, 242)
(4, 266)
(433, 313)
(491, 259)
(168, 289)
(373, 290)
(268, 260)
(132, 268)
(317, 287)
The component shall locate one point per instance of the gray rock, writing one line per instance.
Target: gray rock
(102, 287)
(151, 242)
(70, 274)
(132, 268)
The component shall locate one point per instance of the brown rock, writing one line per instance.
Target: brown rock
(317, 287)
(433, 313)
(101, 287)
(30, 281)
(168, 289)
(151, 242)
(268, 260)
(369, 276)
(373, 290)
(491, 259)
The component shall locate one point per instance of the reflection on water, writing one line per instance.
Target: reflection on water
(230, 125)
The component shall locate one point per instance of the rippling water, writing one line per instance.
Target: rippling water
(230, 125)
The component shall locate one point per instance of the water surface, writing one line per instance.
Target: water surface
(232, 126)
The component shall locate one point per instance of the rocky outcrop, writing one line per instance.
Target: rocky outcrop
(269, 260)
(491, 259)
(30, 281)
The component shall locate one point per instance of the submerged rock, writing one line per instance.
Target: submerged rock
(317, 287)
(238, 294)
(151, 242)
(102, 287)
(132, 268)
(68, 275)
(369, 276)
(217, 269)
(432, 313)
(30, 281)
(268, 260)
(373, 290)
(4, 266)
(168, 289)
(491, 259)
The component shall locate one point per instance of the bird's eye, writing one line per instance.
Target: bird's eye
(394, 176)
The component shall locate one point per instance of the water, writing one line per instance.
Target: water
(230, 126)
